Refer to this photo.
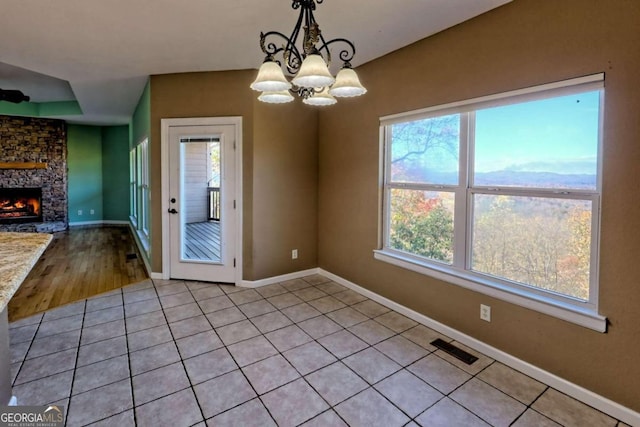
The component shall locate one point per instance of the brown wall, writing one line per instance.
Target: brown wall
(285, 188)
(279, 167)
(524, 43)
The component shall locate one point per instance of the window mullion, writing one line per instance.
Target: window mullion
(595, 251)
(461, 223)
(386, 196)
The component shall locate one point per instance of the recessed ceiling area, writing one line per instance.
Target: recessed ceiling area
(101, 53)
(42, 88)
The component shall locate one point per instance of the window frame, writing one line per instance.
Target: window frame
(584, 313)
(144, 187)
(133, 184)
(139, 191)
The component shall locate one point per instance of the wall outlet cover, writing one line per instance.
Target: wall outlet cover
(485, 312)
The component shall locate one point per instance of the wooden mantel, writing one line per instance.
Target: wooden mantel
(23, 165)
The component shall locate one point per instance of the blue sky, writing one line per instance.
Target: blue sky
(552, 135)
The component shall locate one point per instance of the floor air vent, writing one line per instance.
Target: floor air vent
(132, 256)
(456, 352)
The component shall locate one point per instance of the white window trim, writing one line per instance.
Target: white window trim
(577, 312)
(133, 184)
(140, 219)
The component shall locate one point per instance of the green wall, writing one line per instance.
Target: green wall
(141, 119)
(41, 109)
(98, 161)
(139, 129)
(115, 173)
(84, 159)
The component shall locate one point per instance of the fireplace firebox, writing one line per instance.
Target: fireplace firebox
(18, 205)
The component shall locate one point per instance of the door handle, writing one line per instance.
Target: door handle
(172, 211)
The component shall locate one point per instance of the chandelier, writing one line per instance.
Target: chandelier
(309, 64)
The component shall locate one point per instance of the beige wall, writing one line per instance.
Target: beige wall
(285, 188)
(279, 167)
(525, 43)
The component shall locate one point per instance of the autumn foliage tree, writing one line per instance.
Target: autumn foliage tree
(421, 225)
(538, 242)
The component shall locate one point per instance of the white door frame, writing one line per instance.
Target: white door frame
(165, 124)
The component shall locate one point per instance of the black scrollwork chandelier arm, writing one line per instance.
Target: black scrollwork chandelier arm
(312, 36)
(346, 54)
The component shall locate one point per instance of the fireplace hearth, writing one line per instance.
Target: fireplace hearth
(20, 205)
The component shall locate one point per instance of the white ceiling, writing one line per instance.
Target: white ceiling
(105, 50)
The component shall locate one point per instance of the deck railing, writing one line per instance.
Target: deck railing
(213, 196)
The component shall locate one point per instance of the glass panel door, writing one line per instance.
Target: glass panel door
(202, 222)
(201, 219)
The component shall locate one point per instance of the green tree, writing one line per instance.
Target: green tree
(421, 225)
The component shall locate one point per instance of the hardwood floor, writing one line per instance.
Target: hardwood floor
(78, 263)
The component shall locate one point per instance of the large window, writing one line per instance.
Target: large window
(502, 195)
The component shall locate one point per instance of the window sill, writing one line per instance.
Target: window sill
(582, 316)
(141, 236)
(144, 240)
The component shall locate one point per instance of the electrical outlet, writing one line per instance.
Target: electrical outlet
(79, 211)
(485, 312)
(91, 212)
(294, 254)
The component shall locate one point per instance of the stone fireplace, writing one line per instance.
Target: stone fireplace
(33, 155)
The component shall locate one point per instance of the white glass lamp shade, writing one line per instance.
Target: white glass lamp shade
(320, 98)
(347, 84)
(270, 78)
(276, 97)
(313, 73)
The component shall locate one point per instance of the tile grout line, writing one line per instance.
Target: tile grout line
(278, 353)
(281, 354)
(184, 367)
(341, 361)
(224, 345)
(530, 406)
(76, 367)
(240, 368)
(24, 359)
(75, 364)
(295, 323)
(126, 343)
(262, 334)
(371, 346)
(338, 360)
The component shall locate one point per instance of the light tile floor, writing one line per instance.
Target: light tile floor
(303, 352)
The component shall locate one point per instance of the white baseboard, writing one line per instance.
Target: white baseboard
(588, 397)
(101, 222)
(157, 276)
(277, 279)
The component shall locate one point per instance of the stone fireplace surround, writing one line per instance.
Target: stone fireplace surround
(40, 141)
